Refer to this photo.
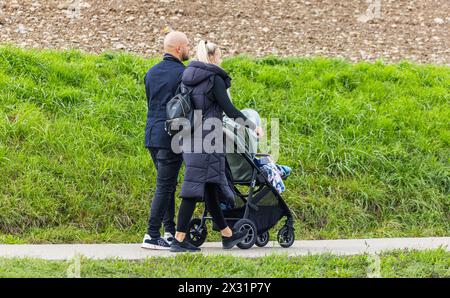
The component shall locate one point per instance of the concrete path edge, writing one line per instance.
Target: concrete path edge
(300, 248)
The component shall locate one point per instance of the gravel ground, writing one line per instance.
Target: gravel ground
(354, 29)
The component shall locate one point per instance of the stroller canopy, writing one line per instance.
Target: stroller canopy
(244, 140)
(241, 141)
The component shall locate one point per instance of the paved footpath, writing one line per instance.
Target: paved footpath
(300, 248)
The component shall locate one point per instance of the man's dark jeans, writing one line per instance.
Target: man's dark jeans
(168, 165)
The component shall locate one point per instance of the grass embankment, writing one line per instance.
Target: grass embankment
(368, 144)
(433, 263)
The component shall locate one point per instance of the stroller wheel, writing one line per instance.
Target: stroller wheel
(286, 237)
(246, 224)
(262, 239)
(196, 233)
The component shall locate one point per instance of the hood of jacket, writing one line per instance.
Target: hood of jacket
(196, 72)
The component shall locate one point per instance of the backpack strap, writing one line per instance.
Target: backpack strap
(185, 89)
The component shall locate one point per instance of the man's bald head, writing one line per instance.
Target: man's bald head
(177, 44)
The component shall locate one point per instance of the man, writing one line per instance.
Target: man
(161, 83)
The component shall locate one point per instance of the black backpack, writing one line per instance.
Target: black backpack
(179, 108)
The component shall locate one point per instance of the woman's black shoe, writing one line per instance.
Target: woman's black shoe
(238, 236)
(184, 246)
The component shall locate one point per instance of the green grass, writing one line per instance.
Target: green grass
(368, 144)
(432, 263)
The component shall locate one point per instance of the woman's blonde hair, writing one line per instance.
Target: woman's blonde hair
(206, 50)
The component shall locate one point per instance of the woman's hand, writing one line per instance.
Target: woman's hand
(259, 132)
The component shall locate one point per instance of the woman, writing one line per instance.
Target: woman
(205, 177)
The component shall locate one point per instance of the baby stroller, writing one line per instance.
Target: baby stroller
(257, 209)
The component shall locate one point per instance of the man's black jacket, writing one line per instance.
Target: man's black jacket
(161, 83)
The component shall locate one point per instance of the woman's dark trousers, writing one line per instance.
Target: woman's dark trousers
(211, 198)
